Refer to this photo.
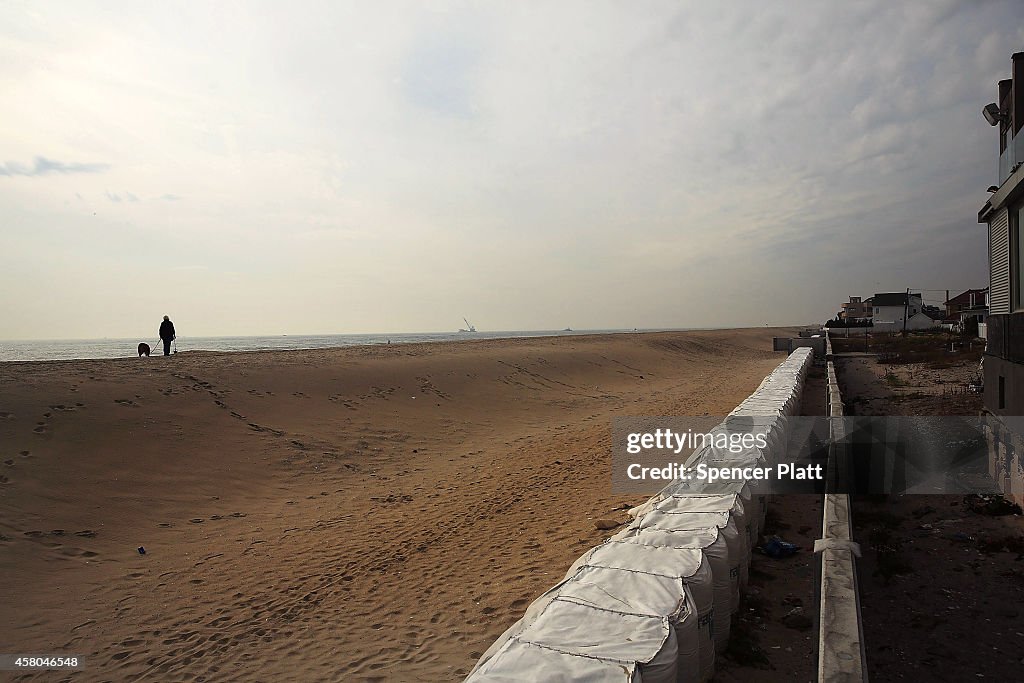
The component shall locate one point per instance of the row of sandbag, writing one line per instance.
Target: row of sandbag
(655, 602)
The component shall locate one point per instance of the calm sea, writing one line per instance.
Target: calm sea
(68, 349)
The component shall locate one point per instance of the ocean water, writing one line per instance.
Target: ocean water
(70, 349)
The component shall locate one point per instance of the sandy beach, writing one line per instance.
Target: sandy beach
(369, 513)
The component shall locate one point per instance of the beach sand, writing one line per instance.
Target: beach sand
(368, 513)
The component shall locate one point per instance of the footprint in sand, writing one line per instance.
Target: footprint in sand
(88, 533)
(124, 402)
(197, 520)
(4, 480)
(24, 454)
(6, 415)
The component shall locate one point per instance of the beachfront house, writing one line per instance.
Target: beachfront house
(970, 300)
(898, 311)
(968, 309)
(1004, 356)
(856, 311)
(1004, 352)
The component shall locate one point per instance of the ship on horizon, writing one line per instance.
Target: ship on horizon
(469, 327)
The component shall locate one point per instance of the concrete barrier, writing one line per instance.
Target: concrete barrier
(840, 632)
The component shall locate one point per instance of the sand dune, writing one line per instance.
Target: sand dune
(374, 513)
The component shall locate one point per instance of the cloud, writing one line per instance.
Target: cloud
(593, 158)
(44, 166)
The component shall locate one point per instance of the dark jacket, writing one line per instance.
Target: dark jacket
(167, 330)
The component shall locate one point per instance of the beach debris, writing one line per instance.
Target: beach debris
(922, 511)
(993, 506)
(607, 524)
(142, 551)
(1002, 544)
(776, 548)
(796, 619)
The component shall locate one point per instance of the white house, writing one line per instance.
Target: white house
(890, 308)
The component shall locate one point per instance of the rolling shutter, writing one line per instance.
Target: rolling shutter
(999, 263)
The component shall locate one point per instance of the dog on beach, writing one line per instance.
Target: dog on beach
(144, 350)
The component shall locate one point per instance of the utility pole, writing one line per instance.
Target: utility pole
(906, 309)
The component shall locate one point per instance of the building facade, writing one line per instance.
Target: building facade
(1004, 357)
(969, 301)
(894, 311)
(1004, 353)
(856, 310)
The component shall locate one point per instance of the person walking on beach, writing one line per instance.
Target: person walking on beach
(167, 334)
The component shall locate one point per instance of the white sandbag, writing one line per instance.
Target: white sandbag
(712, 543)
(517, 661)
(685, 521)
(729, 503)
(688, 564)
(636, 592)
(531, 614)
(607, 635)
(645, 507)
(754, 504)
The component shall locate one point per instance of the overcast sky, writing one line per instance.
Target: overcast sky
(268, 168)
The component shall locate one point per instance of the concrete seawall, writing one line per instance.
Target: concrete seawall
(840, 635)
